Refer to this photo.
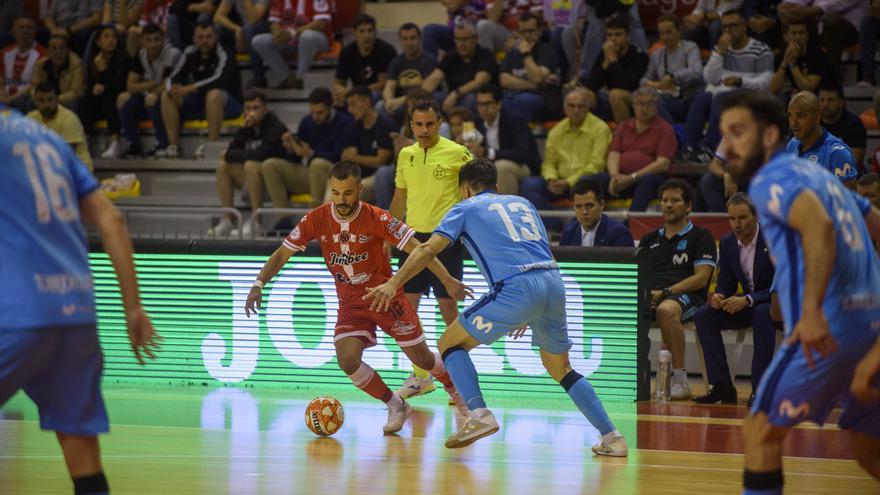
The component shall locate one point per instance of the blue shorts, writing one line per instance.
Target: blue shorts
(194, 107)
(790, 392)
(59, 368)
(535, 298)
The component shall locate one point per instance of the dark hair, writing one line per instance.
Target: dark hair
(426, 105)
(362, 91)
(674, 19)
(584, 186)
(363, 19)
(252, 95)
(766, 108)
(204, 25)
(61, 36)
(45, 87)
(321, 95)
(687, 192)
(409, 26)
(492, 89)
(738, 12)
(831, 85)
(463, 112)
(152, 28)
(480, 174)
(417, 93)
(869, 179)
(530, 16)
(344, 169)
(617, 22)
(740, 198)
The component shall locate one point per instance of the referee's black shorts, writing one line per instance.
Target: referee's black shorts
(452, 258)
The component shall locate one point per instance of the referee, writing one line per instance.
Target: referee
(426, 187)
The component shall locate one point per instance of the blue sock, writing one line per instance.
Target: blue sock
(584, 397)
(464, 376)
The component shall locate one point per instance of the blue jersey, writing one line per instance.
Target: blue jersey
(853, 293)
(829, 152)
(504, 234)
(44, 271)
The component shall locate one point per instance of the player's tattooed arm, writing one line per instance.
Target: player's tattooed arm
(270, 269)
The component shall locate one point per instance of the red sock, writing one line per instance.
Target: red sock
(439, 372)
(366, 379)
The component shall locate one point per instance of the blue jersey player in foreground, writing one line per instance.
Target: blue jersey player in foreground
(48, 338)
(828, 280)
(506, 238)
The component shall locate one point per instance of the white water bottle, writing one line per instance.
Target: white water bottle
(664, 375)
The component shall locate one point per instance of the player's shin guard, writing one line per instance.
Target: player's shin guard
(755, 483)
(439, 372)
(95, 484)
(366, 379)
(464, 376)
(584, 397)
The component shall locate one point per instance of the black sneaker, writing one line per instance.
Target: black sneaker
(723, 394)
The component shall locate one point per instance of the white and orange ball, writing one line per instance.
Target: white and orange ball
(324, 416)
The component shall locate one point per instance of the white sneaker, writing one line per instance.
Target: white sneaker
(615, 447)
(171, 151)
(414, 386)
(397, 417)
(113, 151)
(456, 400)
(200, 151)
(680, 391)
(251, 227)
(223, 228)
(473, 429)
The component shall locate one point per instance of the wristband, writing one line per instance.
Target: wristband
(258, 283)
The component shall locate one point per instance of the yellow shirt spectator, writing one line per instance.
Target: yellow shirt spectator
(67, 125)
(573, 153)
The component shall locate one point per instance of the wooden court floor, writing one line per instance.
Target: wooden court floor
(216, 441)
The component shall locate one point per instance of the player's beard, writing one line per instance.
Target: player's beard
(749, 164)
(344, 209)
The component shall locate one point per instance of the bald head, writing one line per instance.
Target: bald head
(803, 117)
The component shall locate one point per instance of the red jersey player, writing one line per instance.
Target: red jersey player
(352, 235)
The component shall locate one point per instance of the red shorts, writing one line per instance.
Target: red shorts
(401, 322)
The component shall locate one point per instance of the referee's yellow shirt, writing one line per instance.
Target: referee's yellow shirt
(430, 177)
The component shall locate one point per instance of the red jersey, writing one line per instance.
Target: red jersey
(296, 13)
(354, 248)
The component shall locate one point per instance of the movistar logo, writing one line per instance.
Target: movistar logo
(481, 325)
(680, 259)
(786, 408)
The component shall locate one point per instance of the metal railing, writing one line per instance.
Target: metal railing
(207, 210)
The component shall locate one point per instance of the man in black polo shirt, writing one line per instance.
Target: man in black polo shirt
(368, 143)
(465, 70)
(364, 61)
(842, 123)
(683, 257)
(408, 70)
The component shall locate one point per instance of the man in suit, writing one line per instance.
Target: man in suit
(745, 261)
(591, 227)
(507, 140)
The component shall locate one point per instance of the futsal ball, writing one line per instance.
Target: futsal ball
(324, 416)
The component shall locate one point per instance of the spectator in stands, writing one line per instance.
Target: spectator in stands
(106, 75)
(839, 19)
(530, 74)
(597, 16)
(683, 258)
(123, 14)
(364, 61)
(617, 71)
(803, 65)
(743, 261)
(61, 120)
(258, 139)
(811, 142)
(507, 140)
(238, 36)
(152, 12)
(869, 30)
(703, 25)
(17, 64)
(62, 69)
(839, 121)
(183, 17)
(492, 35)
(76, 19)
(368, 143)
(205, 84)
(736, 62)
(576, 147)
(591, 227)
(456, 120)
(565, 21)
(10, 10)
(318, 144)
(513, 10)
(640, 154)
(408, 70)
(764, 23)
(464, 69)
(869, 187)
(306, 34)
(674, 70)
(142, 98)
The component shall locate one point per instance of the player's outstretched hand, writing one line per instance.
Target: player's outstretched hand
(813, 334)
(458, 290)
(517, 332)
(381, 295)
(143, 337)
(868, 368)
(254, 301)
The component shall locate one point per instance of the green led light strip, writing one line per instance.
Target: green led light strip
(196, 302)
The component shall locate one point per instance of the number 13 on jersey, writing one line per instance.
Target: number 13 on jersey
(532, 233)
